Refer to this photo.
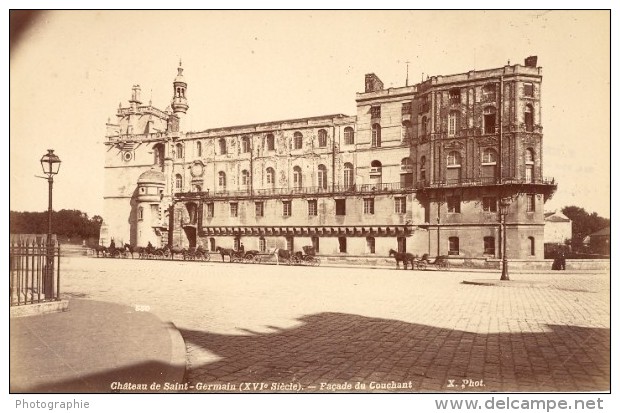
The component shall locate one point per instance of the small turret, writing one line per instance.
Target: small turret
(179, 101)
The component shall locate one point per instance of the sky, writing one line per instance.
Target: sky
(70, 69)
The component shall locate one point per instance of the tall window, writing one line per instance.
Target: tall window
(489, 204)
(376, 170)
(400, 205)
(455, 96)
(453, 168)
(453, 246)
(198, 149)
(222, 144)
(370, 245)
(405, 133)
(376, 136)
(179, 151)
(453, 122)
(178, 180)
(489, 245)
(375, 112)
(158, 154)
(454, 204)
(262, 244)
(140, 214)
(245, 178)
(489, 156)
(341, 207)
(528, 89)
(322, 176)
(423, 169)
(401, 244)
(528, 118)
(260, 209)
(406, 165)
(489, 119)
(212, 244)
(531, 202)
(286, 208)
(312, 207)
(298, 140)
(245, 144)
(369, 206)
(297, 179)
(270, 142)
(234, 209)
(488, 93)
(270, 176)
(290, 244)
(529, 165)
(489, 164)
(406, 108)
(532, 245)
(315, 244)
(322, 138)
(348, 175)
(210, 210)
(349, 136)
(342, 244)
(423, 130)
(221, 181)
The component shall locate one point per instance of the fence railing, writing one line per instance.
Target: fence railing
(34, 271)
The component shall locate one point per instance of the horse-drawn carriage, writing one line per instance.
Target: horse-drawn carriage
(419, 263)
(196, 254)
(306, 257)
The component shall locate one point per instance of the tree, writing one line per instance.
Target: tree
(70, 223)
(584, 224)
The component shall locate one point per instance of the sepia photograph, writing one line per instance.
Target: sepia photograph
(310, 202)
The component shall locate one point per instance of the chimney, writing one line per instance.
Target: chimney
(373, 83)
(531, 61)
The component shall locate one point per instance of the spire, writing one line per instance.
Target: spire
(179, 101)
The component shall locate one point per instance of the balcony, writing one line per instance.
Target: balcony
(406, 169)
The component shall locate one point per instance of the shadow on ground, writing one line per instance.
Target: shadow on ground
(338, 348)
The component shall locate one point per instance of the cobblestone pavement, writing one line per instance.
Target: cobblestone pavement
(325, 329)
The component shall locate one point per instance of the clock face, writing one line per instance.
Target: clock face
(197, 169)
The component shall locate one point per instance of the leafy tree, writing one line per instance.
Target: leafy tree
(70, 223)
(584, 224)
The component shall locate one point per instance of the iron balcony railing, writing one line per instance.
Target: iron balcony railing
(360, 188)
(34, 272)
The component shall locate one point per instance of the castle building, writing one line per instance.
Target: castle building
(439, 167)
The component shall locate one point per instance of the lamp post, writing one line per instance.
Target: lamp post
(503, 210)
(50, 162)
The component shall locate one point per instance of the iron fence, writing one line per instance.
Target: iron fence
(34, 269)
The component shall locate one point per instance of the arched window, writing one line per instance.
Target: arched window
(245, 178)
(179, 151)
(140, 213)
(406, 173)
(322, 176)
(528, 118)
(370, 245)
(376, 136)
(270, 142)
(349, 180)
(297, 179)
(489, 119)
(532, 245)
(423, 126)
(322, 138)
(178, 179)
(198, 149)
(349, 136)
(222, 144)
(245, 144)
(489, 156)
(453, 168)
(529, 165)
(158, 154)
(262, 244)
(221, 180)
(212, 244)
(453, 123)
(405, 133)
(298, 140)
(423, 168)
(375, 172)
(270, 176)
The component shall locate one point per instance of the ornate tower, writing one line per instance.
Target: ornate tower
(179, 101)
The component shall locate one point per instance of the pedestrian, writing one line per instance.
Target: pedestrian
(241, 248)
(562, 260)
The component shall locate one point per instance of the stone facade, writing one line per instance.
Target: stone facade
(419, 168)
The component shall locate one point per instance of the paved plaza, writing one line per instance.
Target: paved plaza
(294, 328)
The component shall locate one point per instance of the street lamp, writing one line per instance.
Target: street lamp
(503, 211)
(50, 163)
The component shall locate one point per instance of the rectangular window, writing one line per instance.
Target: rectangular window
(369, 206)
(260, 209)
(286, 208)
(312, 207)
(489, 204)
(454, 204)
(406, 110)
(262, 245)
(531, 202)
(489, 245)
(210, 210)
(341, 207)
(400, 205)
(453, 246)
(528, 89)
(370, 245)
(290, 245)
(375, 112)
(342, 244)
(234, 209)
(315, 244)
(401, 244)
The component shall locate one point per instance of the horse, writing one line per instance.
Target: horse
(227, 251)
(100, 249)
(405, 257)
(170, 251)
(128, 249)
(284, 254)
